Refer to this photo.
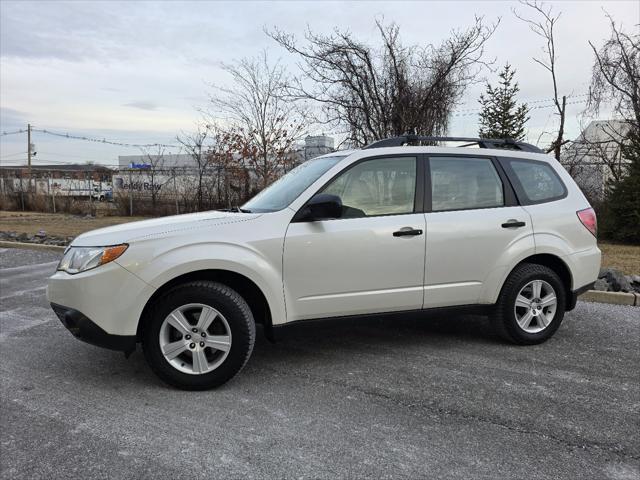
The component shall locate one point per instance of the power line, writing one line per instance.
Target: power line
(471, 112)
(103, 140)
(91, 139)
(12, 154)
(530, 102)
(12, 133)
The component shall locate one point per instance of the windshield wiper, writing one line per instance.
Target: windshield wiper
(241, 210)
(234, 209)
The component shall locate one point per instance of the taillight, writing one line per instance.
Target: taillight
(589, 220)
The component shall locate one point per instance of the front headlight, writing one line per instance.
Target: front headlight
(81, 259)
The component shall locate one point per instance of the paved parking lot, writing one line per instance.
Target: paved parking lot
(393, 397)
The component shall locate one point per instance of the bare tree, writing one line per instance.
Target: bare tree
(265, 123)
(390, 90)
(156, 162)
(597, 157)
(232, 166)
(196, 145)
(616, 75)
(543, 26)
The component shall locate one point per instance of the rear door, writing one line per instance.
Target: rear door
(475, 229)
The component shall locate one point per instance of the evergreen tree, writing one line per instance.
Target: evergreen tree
(621, 212)
(501, 116)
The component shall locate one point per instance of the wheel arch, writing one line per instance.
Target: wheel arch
(246, 287)
(554, 263)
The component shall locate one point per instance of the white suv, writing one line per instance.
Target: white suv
(500, 230)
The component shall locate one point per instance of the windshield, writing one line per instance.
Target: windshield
(284, 191)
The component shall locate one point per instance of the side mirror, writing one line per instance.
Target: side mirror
(322, 206)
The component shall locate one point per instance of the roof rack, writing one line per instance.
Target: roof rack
(500, 143)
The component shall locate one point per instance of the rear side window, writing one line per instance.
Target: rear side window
(538, 181)
(459, 183)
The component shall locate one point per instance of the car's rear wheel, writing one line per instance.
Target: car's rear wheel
(531, 305)
(199, 335)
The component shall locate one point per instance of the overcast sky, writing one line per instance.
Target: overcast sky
(137, 72)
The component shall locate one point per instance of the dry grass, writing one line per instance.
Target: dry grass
(56, 223)
(625, 258)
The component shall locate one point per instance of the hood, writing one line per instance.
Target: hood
(129, 232)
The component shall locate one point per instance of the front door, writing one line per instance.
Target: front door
(369, 260)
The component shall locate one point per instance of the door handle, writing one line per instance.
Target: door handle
(407, 232)
(513, 224)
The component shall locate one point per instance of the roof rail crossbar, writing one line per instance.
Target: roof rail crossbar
(499, 143)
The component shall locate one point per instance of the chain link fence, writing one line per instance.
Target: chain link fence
(140, 192)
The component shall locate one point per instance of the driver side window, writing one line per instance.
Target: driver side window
(383, 186)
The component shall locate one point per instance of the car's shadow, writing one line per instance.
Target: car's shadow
(415, 327)
(470, 327)
(306, 344)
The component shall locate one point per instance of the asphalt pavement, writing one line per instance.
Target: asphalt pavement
(418, 397)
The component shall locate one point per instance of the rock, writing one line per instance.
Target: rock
(23, 237)
(601, 284)
(617, 281)
(635, 278)
(603, 272)
(41, 234)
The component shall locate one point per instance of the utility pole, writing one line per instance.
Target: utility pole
(29, 154)
(130, 194)
(175, 190)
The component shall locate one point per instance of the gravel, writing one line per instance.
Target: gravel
(394, 397)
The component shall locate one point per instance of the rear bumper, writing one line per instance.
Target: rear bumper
(84, 329)
(573, 298)
(584, 268)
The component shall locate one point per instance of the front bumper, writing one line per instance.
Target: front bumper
(111, 296)
(83, 328)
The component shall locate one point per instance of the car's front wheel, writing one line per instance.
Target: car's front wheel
(531, 305)
(199, 335)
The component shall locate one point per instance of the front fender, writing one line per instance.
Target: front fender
(158, 264)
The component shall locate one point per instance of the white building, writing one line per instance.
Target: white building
(143, 162)
(590, 158)
(317, 145)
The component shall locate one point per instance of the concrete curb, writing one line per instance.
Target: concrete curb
(32, 246)
(615, 298)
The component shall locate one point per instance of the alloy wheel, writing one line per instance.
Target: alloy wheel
(535, 306)
(195, 338)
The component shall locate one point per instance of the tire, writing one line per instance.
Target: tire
(537, 322)
(176, 355)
